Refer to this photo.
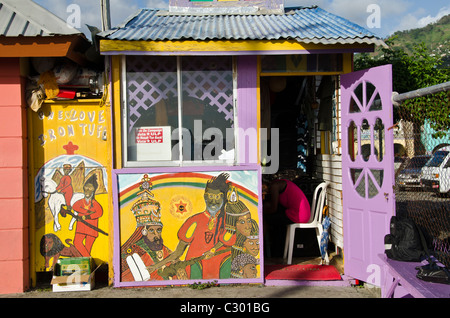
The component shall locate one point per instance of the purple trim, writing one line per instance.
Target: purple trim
(116, 219)
(345, 282)
(189, 282)
(116, 222)
(240, 53)
(247, 107)
(185, 169)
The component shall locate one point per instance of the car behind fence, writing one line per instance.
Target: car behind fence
(428, 204)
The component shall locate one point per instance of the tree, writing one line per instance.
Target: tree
(421, 69)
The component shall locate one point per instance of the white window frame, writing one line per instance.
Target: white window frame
(179, 162)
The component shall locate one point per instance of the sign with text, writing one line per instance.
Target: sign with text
(72, 160)
(146, 135)
(153, 143)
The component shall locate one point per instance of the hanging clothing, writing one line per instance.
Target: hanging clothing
(326, 93)
(302, 142)
(298, 209)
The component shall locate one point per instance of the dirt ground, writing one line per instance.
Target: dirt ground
(222, 292)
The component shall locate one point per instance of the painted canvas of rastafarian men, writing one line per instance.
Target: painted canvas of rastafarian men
(177, 227)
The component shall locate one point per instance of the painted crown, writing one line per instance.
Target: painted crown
(146, 210)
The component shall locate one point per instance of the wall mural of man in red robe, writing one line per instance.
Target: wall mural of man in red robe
(65, 184)
(89, 210)
(204, 234)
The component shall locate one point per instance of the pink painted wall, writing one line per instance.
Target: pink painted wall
(14, 255)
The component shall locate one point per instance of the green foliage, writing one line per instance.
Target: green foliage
(425, 71)
(436, 37)
(200, 285)
(420, 69)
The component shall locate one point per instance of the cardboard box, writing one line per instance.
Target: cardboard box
(77, 281)
(73, 283)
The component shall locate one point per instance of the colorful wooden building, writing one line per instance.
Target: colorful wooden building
(221, 93)
(200, 103)
(49, 140)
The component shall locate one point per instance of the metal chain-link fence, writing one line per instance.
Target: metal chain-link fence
(422, 166)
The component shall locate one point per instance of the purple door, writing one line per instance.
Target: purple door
(367, 169)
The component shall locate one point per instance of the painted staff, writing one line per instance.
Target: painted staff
(172, 269)
(64, 211)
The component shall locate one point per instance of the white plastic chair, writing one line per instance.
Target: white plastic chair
(315, 221)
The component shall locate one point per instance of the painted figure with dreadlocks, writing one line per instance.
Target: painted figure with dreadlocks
(90, 211)
(204, 235)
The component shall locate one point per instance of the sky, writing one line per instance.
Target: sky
(381, 17)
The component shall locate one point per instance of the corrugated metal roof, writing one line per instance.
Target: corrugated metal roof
(26, 18)
(304, 24)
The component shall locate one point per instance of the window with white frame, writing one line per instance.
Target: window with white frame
(178, 110)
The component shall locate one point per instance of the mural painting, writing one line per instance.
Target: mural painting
(70, 185)
(184, 226)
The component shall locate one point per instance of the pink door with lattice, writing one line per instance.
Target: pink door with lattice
(367, 169)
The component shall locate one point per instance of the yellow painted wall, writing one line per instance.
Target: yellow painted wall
(75, 133)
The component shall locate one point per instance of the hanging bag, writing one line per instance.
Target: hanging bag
(403, 243)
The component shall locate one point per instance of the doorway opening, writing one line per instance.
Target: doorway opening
(283, 107)
(291, 105)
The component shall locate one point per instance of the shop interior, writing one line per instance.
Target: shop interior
(291, 105)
